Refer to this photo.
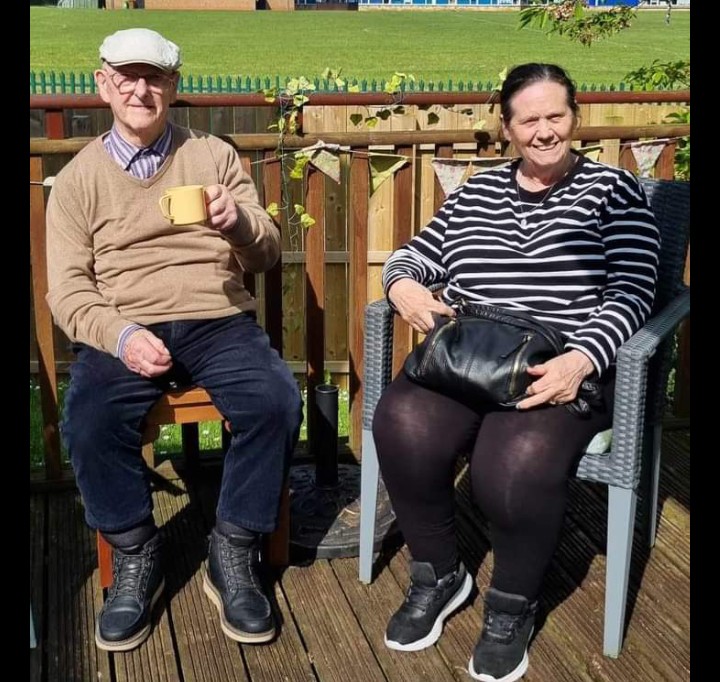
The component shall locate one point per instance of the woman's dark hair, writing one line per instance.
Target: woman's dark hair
(526, 74)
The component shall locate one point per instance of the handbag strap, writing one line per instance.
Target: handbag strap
(518, 318)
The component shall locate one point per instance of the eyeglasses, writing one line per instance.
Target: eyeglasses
(125, 82)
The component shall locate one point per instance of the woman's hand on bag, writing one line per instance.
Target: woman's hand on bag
(557, 380)
(416, 304)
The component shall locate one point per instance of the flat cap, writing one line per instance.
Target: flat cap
(140, 46)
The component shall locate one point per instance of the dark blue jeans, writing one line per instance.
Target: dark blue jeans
(248, 382)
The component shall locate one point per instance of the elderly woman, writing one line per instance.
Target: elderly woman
(573, 243)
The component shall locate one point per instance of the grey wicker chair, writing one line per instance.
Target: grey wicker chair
(642, 368)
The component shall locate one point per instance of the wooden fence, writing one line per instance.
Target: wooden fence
(312, 303)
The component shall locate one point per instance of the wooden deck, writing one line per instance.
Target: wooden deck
(332, 625)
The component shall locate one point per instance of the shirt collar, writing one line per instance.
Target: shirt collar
(124, 153)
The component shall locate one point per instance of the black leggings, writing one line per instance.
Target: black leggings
(520, 461)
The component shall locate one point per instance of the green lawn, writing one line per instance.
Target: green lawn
(438, 46)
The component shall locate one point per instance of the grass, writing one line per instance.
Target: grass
(434, 46)
(169, 442)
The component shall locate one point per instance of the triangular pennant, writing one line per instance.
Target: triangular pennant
(452, 173)
(592, 153)
(327, 162)
(382, 166)
(646, 154)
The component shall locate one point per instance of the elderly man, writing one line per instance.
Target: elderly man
(152, 305)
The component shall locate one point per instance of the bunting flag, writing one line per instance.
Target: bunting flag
(452, 173)
(646, 154)
(592, 152)
(327, 162)
(325, 157)
(383, 166)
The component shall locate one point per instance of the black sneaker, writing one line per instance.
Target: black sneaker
(501, 652)
(125, 619)
(418, 623)
(232, 582)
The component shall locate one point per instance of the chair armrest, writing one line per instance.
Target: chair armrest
(621, 466)
(644, 342)
(378, 356)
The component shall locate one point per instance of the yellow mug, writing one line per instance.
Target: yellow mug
(184, 205)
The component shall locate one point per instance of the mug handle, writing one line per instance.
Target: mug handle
(165, 206)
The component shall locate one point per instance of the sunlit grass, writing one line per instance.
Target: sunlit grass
(467, 45)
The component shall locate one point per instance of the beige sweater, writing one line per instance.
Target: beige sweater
(114, 260)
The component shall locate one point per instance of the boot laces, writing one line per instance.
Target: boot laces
(239, 566)
(422, 596)
(130, 570)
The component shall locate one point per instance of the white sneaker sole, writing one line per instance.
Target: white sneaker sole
(231, 632)
(138, 638)
(511, 676)
(460, 596)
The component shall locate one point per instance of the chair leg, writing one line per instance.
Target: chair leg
(652, 493)
(33, 638)
(369, 477)
(621, 524)
(104, 551)
(278, 542)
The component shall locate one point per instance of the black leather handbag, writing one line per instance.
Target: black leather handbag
(483, 353)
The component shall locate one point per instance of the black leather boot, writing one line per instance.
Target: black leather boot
(125, 619)
(232, 581)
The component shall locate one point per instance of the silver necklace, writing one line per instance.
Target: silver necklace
(525, 214)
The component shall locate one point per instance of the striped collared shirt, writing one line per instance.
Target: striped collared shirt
(141, 162)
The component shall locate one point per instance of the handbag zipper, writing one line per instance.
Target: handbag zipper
(428, 351)
(516, 363)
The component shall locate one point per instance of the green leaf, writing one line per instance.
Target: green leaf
(480, 125)
(433, 118)
(306, 220)
(383, 114)
(299, 209)
(354, 88)
(356, 119)
(371, 121)
(273, 209)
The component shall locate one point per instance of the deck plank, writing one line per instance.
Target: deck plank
(71, 650)
(37, 592)
(335, 641)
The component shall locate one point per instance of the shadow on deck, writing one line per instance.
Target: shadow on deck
(332, 625)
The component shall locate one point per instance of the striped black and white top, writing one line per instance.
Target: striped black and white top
(584, 259)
